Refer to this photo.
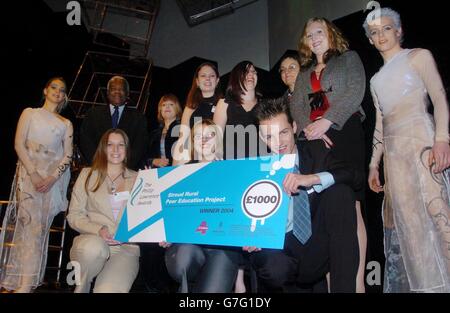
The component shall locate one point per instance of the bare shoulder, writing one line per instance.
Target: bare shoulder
(222, 103)
(187, 112)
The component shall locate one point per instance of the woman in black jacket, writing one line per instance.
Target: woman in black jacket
(159, 154)
(162, 139)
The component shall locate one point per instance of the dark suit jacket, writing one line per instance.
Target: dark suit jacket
(315, 157)
(98, 121)
(154, 149)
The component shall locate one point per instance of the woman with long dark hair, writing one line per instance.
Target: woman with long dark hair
(235, 114)
(289, 70)
(201, 104)
(43, 144)
(98, 201)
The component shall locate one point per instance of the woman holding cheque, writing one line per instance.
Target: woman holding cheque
(99, 196)
(203, 269)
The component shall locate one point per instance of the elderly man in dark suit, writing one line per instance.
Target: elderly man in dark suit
(115, 115)
(321, 227)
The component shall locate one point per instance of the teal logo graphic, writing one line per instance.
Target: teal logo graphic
(137, 190)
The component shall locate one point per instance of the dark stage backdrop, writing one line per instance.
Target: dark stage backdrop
(38, 44)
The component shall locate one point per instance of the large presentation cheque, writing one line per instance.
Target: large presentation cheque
(228, 203)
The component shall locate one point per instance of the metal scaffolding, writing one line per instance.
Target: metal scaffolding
(89, 86)
(131, 21)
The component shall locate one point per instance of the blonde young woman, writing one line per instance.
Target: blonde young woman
(43, 144)
(160, 154)
(98, 199)
(197, 268)
(416, 153)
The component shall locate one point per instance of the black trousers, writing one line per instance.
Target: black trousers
(333, 247)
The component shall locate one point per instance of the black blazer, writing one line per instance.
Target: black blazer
(315, 157)
(154, 149)
(98, 121)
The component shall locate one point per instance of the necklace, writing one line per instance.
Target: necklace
(113, 185)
